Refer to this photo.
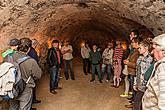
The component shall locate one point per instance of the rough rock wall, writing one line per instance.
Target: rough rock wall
(68, 19)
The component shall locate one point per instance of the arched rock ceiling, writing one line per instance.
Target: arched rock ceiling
(71, 19)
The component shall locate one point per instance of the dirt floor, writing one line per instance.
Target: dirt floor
(80, 94)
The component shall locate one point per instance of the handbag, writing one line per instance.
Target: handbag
(125, 70)
(106, 61)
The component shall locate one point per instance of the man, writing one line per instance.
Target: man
(67, 57)
(54, 60)
(154, 96)
(33, 54)
(85, 50)
(95, 58)
(13, 45)
(29, 69)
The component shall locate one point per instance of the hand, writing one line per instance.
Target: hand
(126, 62)
(135, 87)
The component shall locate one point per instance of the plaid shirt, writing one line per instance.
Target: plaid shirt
(154, 97)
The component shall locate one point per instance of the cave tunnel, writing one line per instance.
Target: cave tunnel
(79, 21)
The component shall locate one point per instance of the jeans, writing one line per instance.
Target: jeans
(108, 67)
(67, 64)
(94, 69)
(86, 65)
(54, 78)
(132, 77)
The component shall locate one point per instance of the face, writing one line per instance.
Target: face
(55, 45)
(158, 54)
(110, 45)
(66, 43)
(134, 44)
(117, 42)
(94, 47)
(132, 35)
(142, 49)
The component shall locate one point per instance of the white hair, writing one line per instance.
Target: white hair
(160, 41)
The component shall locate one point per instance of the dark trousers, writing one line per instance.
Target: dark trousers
(86, 65)
(138, 101)
(96, 68)
(54, 78)
(131, 78)
(68, 65)
(24, 102)
(108, 68)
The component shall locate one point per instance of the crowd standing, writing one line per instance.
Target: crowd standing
(142, 71)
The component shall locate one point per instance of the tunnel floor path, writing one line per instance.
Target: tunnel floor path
(80, 94)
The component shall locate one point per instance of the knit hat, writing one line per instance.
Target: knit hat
(14, 42)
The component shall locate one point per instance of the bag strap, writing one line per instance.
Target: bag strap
(153, 72)
(22, 59)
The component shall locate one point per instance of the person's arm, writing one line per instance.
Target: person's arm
(161, 86)
(49, 57)
(36, 70)
(82, 53)
(104, 53)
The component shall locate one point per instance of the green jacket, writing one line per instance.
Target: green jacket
(95, 57)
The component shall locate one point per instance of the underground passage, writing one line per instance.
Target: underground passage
(98, 23)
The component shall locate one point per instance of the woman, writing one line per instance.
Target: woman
(118, 54)
(143, 64)
(107, 60)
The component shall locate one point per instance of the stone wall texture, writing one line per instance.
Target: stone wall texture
(74, 19)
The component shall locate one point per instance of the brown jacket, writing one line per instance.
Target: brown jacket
(132, 62)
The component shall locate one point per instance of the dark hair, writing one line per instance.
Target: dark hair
(26, 43)
(55, 41)
(137, 39)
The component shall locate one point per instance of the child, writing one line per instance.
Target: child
(118, 54)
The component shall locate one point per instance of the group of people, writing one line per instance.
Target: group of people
(30, 71)
(143, 69)
(110, 58)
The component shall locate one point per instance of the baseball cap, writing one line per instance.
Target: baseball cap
(14, 42)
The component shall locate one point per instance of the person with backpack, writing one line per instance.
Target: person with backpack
(30, 71)
(13, 45)
(144, 62)
(54, 59)
(154, 96)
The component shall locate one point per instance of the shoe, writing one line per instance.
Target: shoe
(131, 101)
(53, 92)
(86, 73)
(59, 88)
(36, 101)
(124, 95)
(117, 87)
(33, 109)
(100, 81)
(73, 78)
(113, 85)
(61, 77)
(92, 80)
(130, 93)
(107, 80)
(129, 106)
(131, 98)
